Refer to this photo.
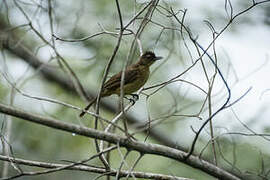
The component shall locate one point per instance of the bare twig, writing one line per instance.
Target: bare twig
(88, 169)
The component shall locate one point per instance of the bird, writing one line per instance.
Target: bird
(135, 76)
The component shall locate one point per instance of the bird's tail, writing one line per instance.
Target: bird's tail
(88, 107)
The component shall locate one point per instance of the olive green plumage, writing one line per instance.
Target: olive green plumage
(135, 77)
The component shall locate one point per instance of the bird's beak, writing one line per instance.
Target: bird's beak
(158, 58)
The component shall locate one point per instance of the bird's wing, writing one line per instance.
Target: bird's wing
(115, 81)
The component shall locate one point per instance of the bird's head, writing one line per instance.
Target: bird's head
(148, 58)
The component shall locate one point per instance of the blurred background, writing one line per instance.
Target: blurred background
(85, 33)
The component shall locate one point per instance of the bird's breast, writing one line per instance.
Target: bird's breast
(141, 78)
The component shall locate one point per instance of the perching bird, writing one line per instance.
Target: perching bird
(135, 77)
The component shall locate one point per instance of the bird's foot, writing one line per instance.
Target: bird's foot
(135, 96)
(131, 100)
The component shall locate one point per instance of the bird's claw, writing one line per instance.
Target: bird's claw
(131, 100)
(135, 97)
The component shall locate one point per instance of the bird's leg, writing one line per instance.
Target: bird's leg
(135, 96)
(130, 100)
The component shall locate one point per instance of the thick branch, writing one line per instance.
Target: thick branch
(145, 148)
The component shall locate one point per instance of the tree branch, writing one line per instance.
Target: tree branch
(91, 169)
(145, 148)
